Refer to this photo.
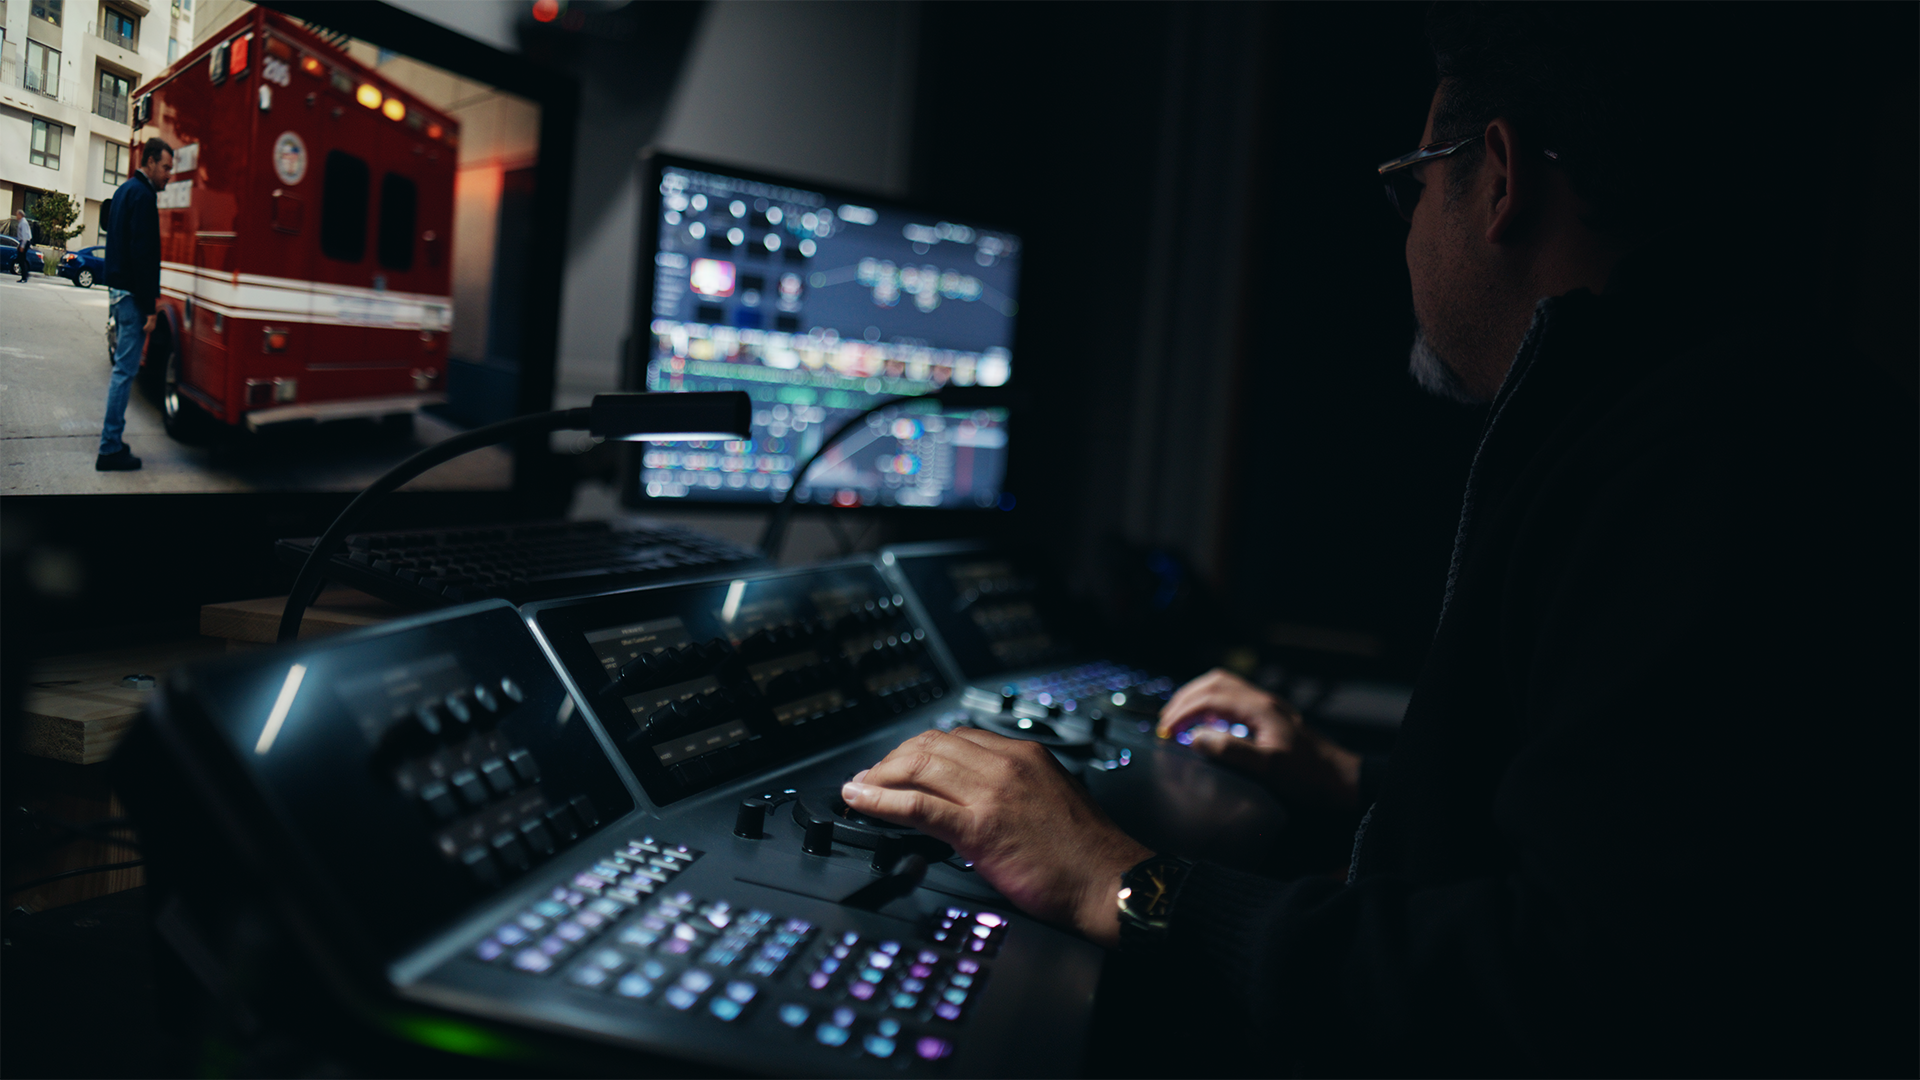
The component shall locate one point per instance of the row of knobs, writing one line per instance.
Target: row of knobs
(795, 635)
(454, 715)
(669, 666)
(692, 714)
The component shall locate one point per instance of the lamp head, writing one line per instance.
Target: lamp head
(692, 417)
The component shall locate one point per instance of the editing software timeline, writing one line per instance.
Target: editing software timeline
(821, 305)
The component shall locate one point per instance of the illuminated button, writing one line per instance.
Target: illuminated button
(680, 997)
(677, 947)
(956, 995)
(610, 959)
(927, 956)
(489, 950)
(571, 931)
(912, 986)
(457, 707)
(724, 1008)
(484, 696)
(877, 1046)
(988, 918)
(831, 1035)
(511, 692)
(533, 960)
(961, 981)
(554, 945)
(793, 1015)
(591, 977)
(862, 990)
(819, 980)
(843, 1016)
(930, 1048)
(968, 965)
(510, 935)
(634, 985)
(879, 960)
(552, 909)
(888, 1026)
(920, 971)
(904, 1001)
(741, 991)
(947, 1011)
(697, 981)
(590, 919)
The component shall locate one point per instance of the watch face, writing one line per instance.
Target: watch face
(1153, 896)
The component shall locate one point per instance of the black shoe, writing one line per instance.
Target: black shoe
(121, 460)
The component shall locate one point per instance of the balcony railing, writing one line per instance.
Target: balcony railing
(59, 90)
(111, 106)
(108, 33)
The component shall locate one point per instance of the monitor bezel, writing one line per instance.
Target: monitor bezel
(651, 162)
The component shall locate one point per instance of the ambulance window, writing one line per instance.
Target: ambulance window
(398, 200)
(343, 208)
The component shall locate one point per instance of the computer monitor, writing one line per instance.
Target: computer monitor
(353, 263)
(821, 303)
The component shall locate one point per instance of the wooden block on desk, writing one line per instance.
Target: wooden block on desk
(78, 707)
(258, 621)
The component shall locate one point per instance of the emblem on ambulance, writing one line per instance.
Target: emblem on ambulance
(289, 158)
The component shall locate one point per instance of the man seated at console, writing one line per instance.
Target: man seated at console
(1652, 806)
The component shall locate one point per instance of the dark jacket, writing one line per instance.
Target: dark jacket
(1652, 809)
(133, 241)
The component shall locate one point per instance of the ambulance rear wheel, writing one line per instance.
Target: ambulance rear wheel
(84, 279)
(184, 421)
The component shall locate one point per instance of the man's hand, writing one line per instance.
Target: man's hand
(1010, 809)
(150, 321)
(1279, 750)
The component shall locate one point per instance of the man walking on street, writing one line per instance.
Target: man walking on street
(133, 286)
(23, 232)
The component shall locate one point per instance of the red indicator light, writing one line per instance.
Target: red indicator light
(237, 62)
(433, 131)
(546, 10)
(312, 66)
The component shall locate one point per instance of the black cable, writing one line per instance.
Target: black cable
(313, 573)
(100, 869)
(776, 533)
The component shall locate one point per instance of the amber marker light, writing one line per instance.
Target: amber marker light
(312, 66)
(433, 131)
(394, 109)
(368, 95)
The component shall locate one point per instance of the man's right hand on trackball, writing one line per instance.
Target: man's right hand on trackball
(1279, 750)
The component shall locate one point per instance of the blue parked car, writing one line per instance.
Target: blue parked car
(9, 246)
(85, 266)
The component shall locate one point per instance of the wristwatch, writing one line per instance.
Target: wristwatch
(1147, 895)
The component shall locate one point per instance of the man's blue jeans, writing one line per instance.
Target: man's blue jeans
(129, 334)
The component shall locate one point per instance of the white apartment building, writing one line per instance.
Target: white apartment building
(67, 72)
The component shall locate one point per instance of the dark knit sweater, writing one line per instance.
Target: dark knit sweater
(1653, 806)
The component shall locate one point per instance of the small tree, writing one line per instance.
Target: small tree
(54, 213)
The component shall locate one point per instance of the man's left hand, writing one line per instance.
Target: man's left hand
(1009, 808)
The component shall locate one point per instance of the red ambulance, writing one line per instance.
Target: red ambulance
(305, 235)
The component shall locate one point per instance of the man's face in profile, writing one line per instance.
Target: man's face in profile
(159, 170)
(1436, 248)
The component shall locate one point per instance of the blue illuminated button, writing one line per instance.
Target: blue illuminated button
(696, 981)
(956, 995)
(961, 981)
(843, 1016)
(724, 1008)
(654, 969)
(877, 1046)
(741, 991)
(634, 985)
(831, 1035)
(489, 950)
(891, 948)
(905, 1001)
(793, 1015)
(532, 960)
(888, 1026)
(681, 998)
(510, 935)
(591, 976)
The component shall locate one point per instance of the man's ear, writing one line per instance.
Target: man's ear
(1510, 194)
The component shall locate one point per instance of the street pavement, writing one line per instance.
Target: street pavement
(53, 391)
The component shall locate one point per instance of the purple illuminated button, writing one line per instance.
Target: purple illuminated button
(932, 1049)
(681, 998)
(928, 956)
(914, 986)
(510, 934)
(861, 990)
(989, 919)
(976, 945)
(570, 931)
(553, 945)
(677, 947)
(968, 965)
(956, 913)
(841, 952)
(489, 950)
(843, 1016)
(920, 971)
(947, 1011)
(697, 981)
(590, 918)
(818, 980)
(829, 965)
(532, 960)
(588, 883)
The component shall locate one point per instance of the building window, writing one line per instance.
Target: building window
(46, 144)
(49, 10)
(110, 99)
(173, 49)
(343, 207)
(120, 28)
(119, 164)
(43, 69)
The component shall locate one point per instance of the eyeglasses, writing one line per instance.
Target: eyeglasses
(1403, 187)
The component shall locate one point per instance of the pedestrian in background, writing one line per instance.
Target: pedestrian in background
(23, 232)
(133, 287)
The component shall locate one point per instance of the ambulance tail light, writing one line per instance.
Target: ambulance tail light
(273, 340)
(369, 95)
(312, 66)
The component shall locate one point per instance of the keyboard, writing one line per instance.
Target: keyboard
(520, 563)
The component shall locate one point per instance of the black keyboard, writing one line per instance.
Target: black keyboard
(520, 563)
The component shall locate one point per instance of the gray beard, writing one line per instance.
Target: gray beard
(1433, 374)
